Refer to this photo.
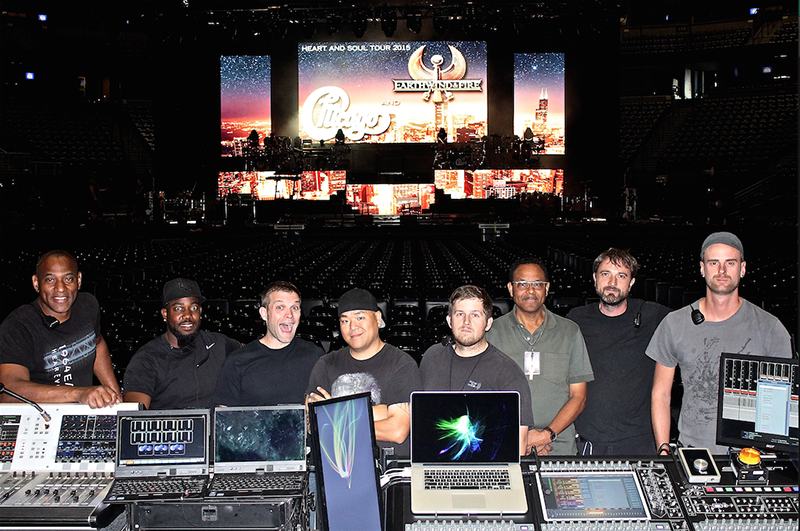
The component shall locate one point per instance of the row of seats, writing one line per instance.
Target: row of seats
(412, 276)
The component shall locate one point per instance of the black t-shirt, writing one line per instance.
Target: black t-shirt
(618, 400)
(256, 375)
(390, 376)
(63, 355)
(176, 378)
(491, 370)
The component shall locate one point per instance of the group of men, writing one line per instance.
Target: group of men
(596, 382)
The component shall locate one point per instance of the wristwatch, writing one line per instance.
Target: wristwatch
(553, 434)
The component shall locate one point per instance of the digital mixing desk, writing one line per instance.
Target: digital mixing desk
(651, 494)
(55, 473)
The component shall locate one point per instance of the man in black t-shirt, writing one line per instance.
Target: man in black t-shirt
(274, 369)
(617, 330)
(51, 348)
(369, 364)
(467, 362)
(179, 368)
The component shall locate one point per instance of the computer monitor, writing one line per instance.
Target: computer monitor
(343, 442)
(758, 405)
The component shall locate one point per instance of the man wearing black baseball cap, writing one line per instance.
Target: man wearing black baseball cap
(368, 364)
(179, 368)
(695, 336)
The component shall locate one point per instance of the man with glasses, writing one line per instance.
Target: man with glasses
(551, 352)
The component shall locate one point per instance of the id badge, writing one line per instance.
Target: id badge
(532, 366)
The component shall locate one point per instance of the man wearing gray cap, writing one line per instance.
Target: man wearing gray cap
(695, 336)
(368, 364)
(179, 368)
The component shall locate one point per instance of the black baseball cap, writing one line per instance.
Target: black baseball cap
(179, 288)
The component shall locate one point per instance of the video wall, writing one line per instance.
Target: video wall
(245, 85)
(539, 98)
(391, 92)
(391, 199)
(403, 92)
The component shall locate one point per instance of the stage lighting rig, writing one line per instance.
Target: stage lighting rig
(414, 22)
(359, 24)
(388, 16)
(333, 23)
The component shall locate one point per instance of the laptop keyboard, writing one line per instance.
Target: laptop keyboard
(484, 479)
(243, 484)
(162, 488)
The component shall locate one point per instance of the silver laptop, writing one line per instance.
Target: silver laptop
(465, 453)
(161, 455)
(259, 451)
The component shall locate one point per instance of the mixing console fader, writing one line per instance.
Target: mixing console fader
(57, 472)
(633, 484)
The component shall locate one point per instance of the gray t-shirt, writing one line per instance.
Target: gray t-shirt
(696, 349)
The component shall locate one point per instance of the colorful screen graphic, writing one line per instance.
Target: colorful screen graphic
(504, 184)
(539, 98)
(245, 100)
(346, 464)
(391, 92)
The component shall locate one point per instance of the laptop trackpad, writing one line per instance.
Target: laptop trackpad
(464, 500)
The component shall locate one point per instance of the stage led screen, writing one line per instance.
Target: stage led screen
(391, 92)
(244, 100)
(390, 199)
(539, 98)
(268, 185)
(503, 184)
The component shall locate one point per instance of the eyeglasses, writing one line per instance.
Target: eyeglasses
(525, 285)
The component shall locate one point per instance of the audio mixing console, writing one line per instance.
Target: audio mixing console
(55, 473)
(636, 494)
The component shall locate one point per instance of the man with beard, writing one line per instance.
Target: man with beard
(369, 364)
(178, 369)
(274, 369)
(551, 351)
(616, 420)
(467, 362)
(695, 336)
(51, 348)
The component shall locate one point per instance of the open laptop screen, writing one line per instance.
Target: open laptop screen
(465, 427)
(270, 438)
(154, 440)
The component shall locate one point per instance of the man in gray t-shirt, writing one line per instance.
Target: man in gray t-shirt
(694, 337)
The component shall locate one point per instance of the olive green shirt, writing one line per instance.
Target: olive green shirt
(563, 361)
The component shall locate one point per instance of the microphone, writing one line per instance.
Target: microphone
(45, 415)
(637, 322)
(697, 315)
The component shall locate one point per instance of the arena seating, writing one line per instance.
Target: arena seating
(411, 276)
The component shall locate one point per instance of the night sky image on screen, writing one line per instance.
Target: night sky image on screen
(244, 98)
(539, 97)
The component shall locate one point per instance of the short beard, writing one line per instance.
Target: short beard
(184, 340)
(608, 302)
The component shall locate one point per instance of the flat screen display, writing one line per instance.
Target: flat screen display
(391, 92)
(152, 439)
(504, 184)
(539, 100)
(344, 439)
(577, 496)
(244, 100)
(758, 403)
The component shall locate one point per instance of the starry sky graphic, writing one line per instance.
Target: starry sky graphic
(245, 87)
(534, 72)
